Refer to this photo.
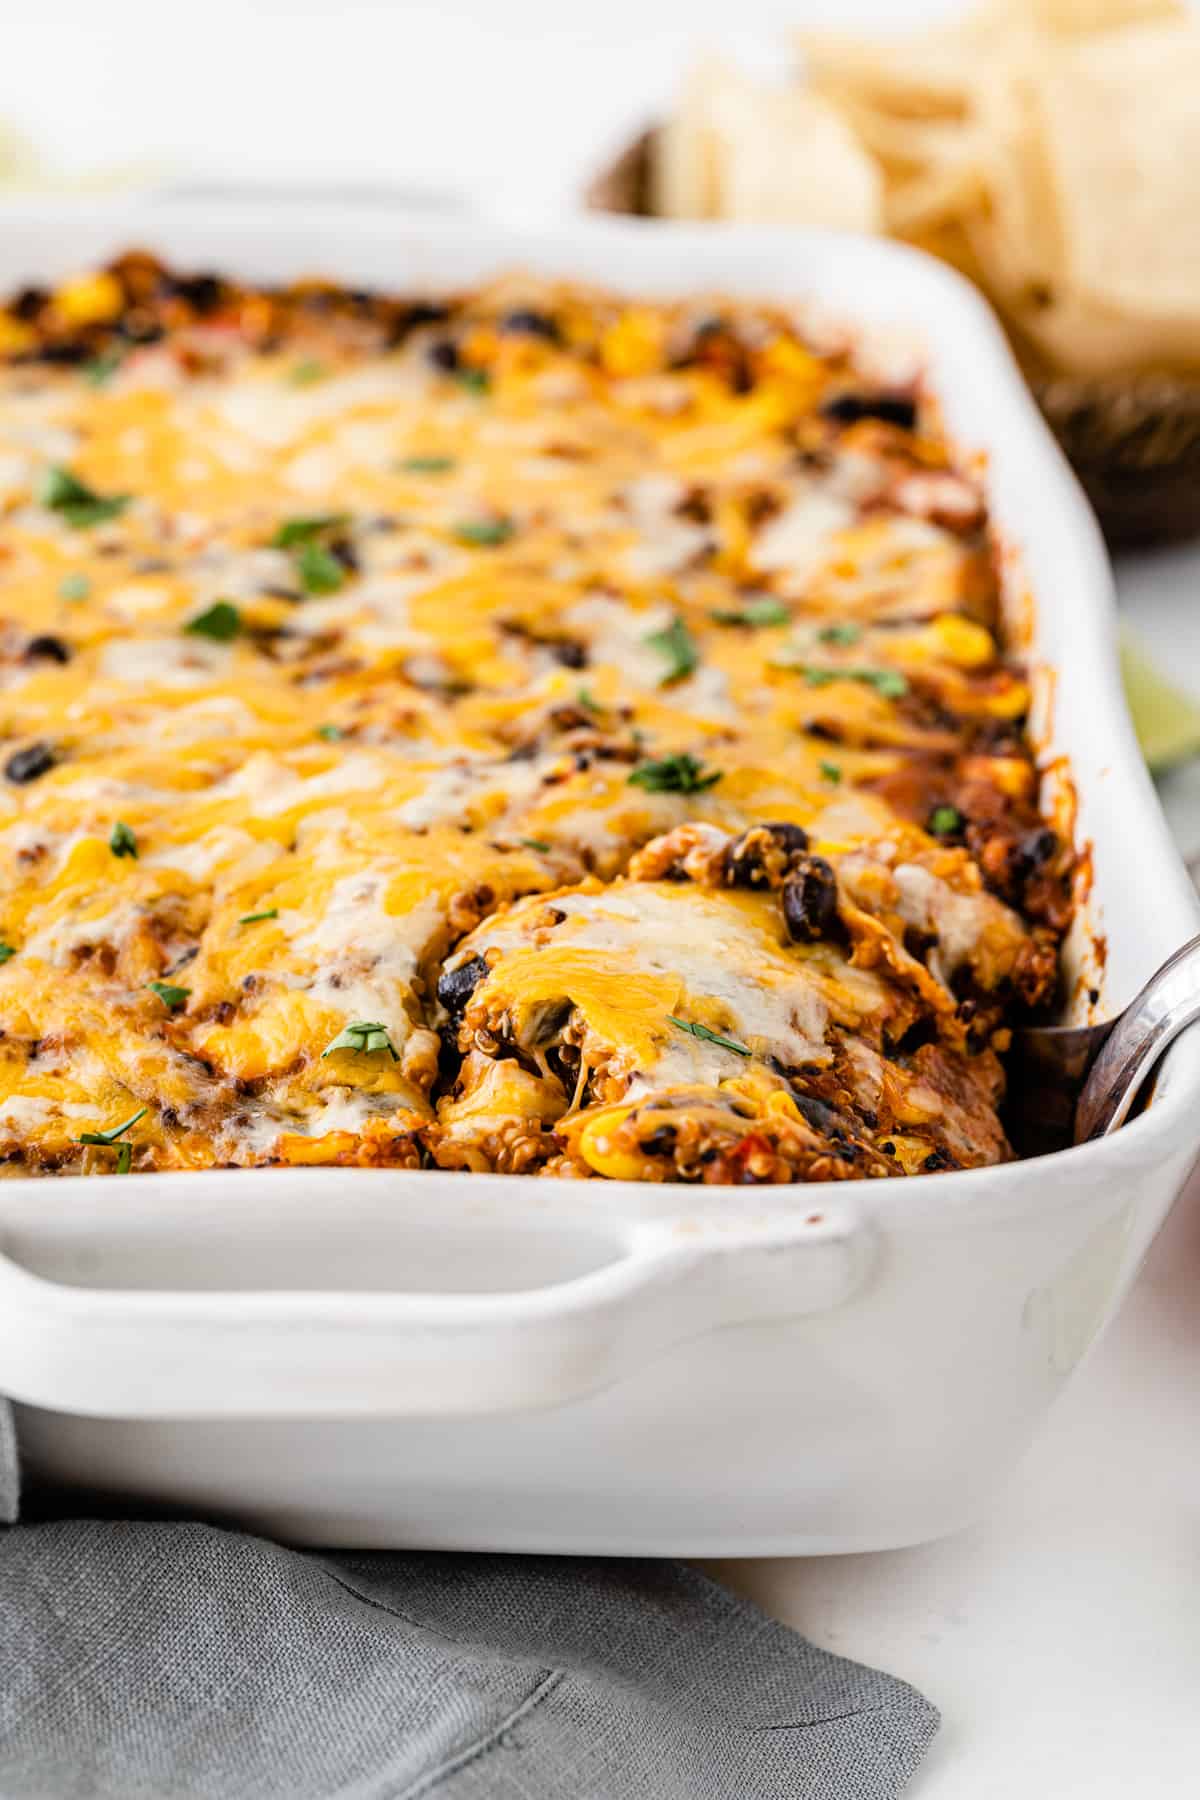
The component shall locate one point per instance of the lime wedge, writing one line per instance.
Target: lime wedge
(1166, 719)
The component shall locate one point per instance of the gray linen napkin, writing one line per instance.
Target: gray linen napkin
(166, 1660)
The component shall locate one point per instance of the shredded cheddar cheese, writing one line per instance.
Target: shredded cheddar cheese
(530, 731)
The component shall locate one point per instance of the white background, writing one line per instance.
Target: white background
(1061, 1639)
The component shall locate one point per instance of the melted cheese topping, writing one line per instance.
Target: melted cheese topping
(331, 636)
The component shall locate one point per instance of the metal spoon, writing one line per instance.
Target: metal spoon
(1111, 1060)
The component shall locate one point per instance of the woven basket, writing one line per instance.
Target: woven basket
(1133, 440)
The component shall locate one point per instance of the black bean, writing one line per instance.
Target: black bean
(810, 897)
(28, 303)
(61, 353)
(570, 654)
(409, 318)
(661, 1142)
(1037, 846)
(893, 409)
(202, 292)
(140, 327)
(524, 320)
(47, 649)
(444, 355)
(29, 763)
(819, 1115)
(455, 986)
(746, 862)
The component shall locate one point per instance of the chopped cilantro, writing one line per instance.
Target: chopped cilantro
(945, 821)
(476, 381)
(74, 587)
(363, 1038)
(121, 840)
(678, 646)
(78, 504)
(110, 1137)
(427, 465)
(6, 952)
(840, 634)
(305, 528)
(709, 1037)
(306, 372)
(101, 369)
(831, 772)
(332, 734)
(221, 621)
(170, 995)
(766, 611)
(319, 570)
(485, 534)
(680, 774)
(270, 912)
(584, 697)
(889, 683)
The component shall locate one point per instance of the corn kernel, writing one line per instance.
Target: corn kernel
(598, 1150)
(15, 335)
(785, 358)
(963, 642)
(89, 299)
(633, 346)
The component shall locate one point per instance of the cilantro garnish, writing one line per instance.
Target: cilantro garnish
(121, 840)
(709, 1037)
(363, 1037)
(332, 734)
(678, 646)
(101, 369)
(170, 995)
(6, 952)
(840, 634)
(306, 372)
(766, 611)
(109, 1140)
(681, 774)
(427, 465)
(484, 534)
(221, 621)
(476, 381)
(889, 683)
(77, 503)
(319, 570)
(944, 821)
(306, 527)
(831, 772)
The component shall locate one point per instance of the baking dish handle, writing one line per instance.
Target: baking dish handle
(136, 1354)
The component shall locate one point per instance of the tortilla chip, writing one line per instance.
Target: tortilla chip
(786, 158)
(684, 172)
(1120, 117)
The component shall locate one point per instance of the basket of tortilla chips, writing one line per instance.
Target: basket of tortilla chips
(1049, 149)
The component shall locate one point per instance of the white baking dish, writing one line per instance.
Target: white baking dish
(382, 1358)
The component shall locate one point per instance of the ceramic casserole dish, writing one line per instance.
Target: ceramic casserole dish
(370, 1357)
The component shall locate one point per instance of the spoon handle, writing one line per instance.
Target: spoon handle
(1169, 1002)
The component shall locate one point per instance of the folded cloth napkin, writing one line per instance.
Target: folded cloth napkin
(169, 1660)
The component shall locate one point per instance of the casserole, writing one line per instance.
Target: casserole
(480, 1361)
(533, 730)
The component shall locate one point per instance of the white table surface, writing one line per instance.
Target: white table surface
(1062, 1638)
